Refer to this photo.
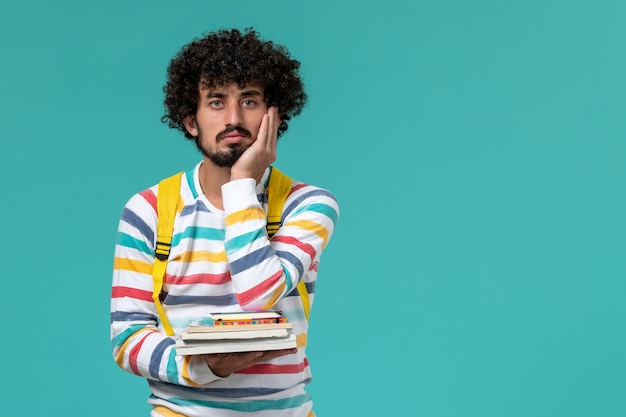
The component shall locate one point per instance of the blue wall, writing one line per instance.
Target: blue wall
(477, 150)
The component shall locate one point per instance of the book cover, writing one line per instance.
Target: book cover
(246, 315)
(231, 346)
(209, 328)
(238, 334)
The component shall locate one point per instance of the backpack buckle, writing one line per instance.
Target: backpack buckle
(162, 251)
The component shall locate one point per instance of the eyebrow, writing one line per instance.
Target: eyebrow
(246, 93)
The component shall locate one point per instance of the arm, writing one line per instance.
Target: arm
(139, 346)
(263, 270)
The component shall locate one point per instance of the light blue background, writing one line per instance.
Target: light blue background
(477, 150)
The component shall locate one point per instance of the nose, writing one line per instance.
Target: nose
(233, 115)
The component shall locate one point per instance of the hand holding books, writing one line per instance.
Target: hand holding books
(224, 364)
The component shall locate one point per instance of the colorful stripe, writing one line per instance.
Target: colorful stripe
(132, 265)
(212, 279)
(189, 177)
(324, 209)
(124, 239)
(242, 216)
(247, 297)
(311, 226)
(155, 361)
(137, 294)
(272, 369)
(132, 219)
(135, 351)
(248, 406)
(151, 198)
(304, 247)
(195, 232)
(241, 241)
(201, 256)
(250, 260)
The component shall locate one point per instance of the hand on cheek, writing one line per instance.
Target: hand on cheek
(262, 152)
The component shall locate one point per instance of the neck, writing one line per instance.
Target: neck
(212, 178)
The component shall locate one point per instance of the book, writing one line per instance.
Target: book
(246, 315)
(233, 333)
(237, 332)
(201, 347)
(209, 328)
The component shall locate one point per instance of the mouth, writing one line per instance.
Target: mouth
(233, 136)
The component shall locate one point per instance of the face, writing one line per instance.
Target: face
(227, 121)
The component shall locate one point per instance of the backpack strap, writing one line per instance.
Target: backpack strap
(167, 206)
(168, 199)
(277, 191)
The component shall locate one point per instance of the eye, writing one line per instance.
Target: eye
(216, 104)
(248, 103)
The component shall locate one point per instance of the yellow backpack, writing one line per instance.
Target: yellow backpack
(169, 204)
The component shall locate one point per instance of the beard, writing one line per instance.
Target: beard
(224, 158)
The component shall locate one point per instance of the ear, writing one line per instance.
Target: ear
(190, 125)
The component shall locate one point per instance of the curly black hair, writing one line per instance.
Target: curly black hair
(229, 56)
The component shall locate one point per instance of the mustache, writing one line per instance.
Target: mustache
(231, 129)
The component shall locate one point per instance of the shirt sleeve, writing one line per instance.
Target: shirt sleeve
(265, 270)
(138, 345)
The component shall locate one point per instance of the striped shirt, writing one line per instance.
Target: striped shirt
(220, 260)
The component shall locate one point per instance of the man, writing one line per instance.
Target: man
(233, 94)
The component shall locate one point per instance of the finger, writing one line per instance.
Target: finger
(275, 124)
(226, 363)
(273, 354)
(267, 127)
(272, 131)
(262, 136)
